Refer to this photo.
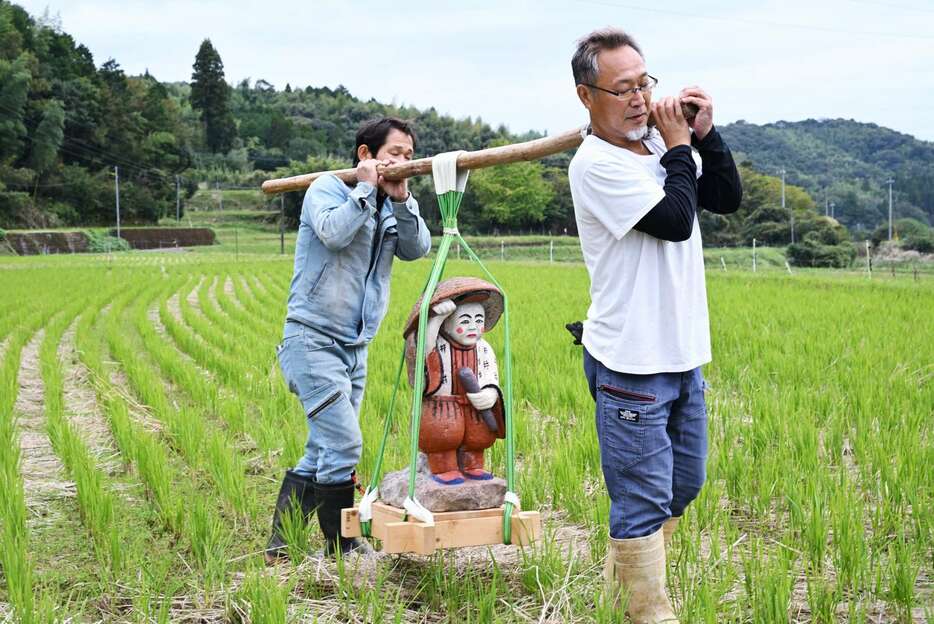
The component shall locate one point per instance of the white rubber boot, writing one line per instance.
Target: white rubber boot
(669, 528)
(638, 567)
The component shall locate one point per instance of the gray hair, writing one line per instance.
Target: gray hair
(584, 61)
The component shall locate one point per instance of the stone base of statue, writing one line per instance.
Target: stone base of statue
(437, 497)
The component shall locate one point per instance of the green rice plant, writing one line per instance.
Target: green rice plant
(208, 449)
(768, 581)
(383, 600)
(815, 532)
(265, 600)
(15, 557)
(609, 605)
(902, 573)
(95, 499)
(156, 588)
(240, 315)
(543, 568)
(296, 532)
(820, 436)
(850, 551)
(856, 613)
(14, 547)
(444, 586)
(823, 599)
(210, 542)
(277, 427)
(139, 447)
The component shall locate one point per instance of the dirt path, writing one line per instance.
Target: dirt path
(159, 326)
(193, 295)
(231, 294)
(175, 307)
(81, 406)
(42, 470)
(139, 413)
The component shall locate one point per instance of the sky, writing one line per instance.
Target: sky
(508, 62)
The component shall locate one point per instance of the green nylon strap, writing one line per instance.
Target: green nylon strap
(507, 396)
(365, 527)
(449, 203)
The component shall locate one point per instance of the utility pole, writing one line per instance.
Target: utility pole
(178, 200)
(117, 193)
(890, 182)
(832, 212)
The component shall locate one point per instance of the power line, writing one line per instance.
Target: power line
(94, 153)
(120, 160)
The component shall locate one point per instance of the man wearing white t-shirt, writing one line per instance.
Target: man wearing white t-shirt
(636, 192)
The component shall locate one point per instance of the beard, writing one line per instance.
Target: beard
(638, 134)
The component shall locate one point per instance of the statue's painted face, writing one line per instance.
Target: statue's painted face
(465, 326)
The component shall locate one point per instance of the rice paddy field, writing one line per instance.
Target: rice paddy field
(145, 427)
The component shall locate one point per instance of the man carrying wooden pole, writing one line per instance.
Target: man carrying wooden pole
(348, 236)
(636, 196)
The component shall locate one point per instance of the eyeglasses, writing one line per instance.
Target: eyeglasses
(626, 94)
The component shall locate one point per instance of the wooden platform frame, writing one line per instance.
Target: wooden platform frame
(451, 529)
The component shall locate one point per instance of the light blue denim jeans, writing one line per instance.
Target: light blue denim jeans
(328, 379)
(653, 444)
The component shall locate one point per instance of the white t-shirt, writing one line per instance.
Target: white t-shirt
(648, 310)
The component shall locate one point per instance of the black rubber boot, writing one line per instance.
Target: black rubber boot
(331, 499)
(302, 490)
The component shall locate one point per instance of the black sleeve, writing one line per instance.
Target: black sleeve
(719, 189)
(672, 219)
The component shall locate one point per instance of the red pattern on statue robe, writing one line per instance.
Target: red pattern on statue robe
(450, 422)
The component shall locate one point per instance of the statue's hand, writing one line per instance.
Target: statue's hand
(485, 399)
(444, 308)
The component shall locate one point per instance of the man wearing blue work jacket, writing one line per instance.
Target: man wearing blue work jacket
(347, 239)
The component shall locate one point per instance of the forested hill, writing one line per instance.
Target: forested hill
(845, 162)
(67, 120)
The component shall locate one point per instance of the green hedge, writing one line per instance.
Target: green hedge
(922, 243)
(101, 242)
(811, 252)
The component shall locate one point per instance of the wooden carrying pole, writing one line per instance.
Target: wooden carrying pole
(530, 150)
(504, 154)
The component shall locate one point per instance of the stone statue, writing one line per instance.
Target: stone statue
(462, 408)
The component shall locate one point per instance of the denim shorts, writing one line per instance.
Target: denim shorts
(652, 431)
(328, 378)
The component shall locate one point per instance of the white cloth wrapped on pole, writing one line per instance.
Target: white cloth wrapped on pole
(447, 177)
